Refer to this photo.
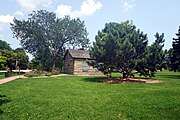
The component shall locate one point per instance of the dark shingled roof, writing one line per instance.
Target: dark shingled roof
(79, 53)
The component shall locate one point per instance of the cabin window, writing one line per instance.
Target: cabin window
(85, 66)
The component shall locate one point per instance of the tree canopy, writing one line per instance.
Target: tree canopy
(4, 45)
(46, 36)
(14, 58)
(124, 48)
(175, 56)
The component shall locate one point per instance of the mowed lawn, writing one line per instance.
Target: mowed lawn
(82, 98)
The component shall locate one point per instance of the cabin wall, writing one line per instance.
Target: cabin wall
(79, 70)
(75, 66)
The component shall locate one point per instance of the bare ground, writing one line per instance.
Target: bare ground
(129, 80)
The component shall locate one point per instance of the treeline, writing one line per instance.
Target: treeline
(119, 46)
(123, 48)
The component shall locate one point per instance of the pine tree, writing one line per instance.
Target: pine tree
(119, 47)
(175, 58)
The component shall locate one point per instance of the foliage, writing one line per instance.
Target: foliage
(154, 56)
(38, 73)
(22, 60)
(10, 58)
(48, 74)
(55, 72)
(123, 48)
(15, 58)
(2, 62)
(175, 54)
(79, 98)
(4, 45)
(31, 74)
(46, 36)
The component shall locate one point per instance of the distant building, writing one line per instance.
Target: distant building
(76, 63)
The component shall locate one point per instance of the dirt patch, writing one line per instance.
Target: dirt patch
(128, 80)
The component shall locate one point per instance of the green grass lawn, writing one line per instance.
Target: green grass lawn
(82, 98)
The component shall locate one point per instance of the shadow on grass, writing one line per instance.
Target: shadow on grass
(3, 100)
(94, 79)
(171, 76)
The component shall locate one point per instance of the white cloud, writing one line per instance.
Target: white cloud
(32, 4)
(128, 5)
(19, 13)
(6, 19)
(63, 10)
(88, 7)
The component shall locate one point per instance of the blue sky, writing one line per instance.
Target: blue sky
(150, 16)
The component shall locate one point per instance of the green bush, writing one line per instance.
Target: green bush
(48, 74)
(36, 73)
(31, 74)
(55, 72)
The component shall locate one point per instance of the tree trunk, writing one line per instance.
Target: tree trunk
(54, 66)
(125, 75)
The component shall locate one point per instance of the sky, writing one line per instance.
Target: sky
(150, 16)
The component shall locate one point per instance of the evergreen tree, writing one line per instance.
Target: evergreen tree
(120, 47)
(124, 48)
(155, 55)
(175, 58)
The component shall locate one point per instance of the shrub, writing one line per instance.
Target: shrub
(31, 74)
(48, 74)
(36, 73)
(55, 72)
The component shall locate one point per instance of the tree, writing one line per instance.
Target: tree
(2, 62)
(120, 47)
(4, 45)
(47, 37)
(124, 48)
(168, 57)
(155, 55)
(10, 58)
(175, 57)
(22, 60)
(14, 59)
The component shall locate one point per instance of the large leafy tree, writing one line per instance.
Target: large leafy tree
(46, 36)
(124, 48)
(175, 56)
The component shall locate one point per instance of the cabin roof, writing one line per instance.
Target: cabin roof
(82, 54)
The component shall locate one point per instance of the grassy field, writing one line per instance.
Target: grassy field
(82, 98)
